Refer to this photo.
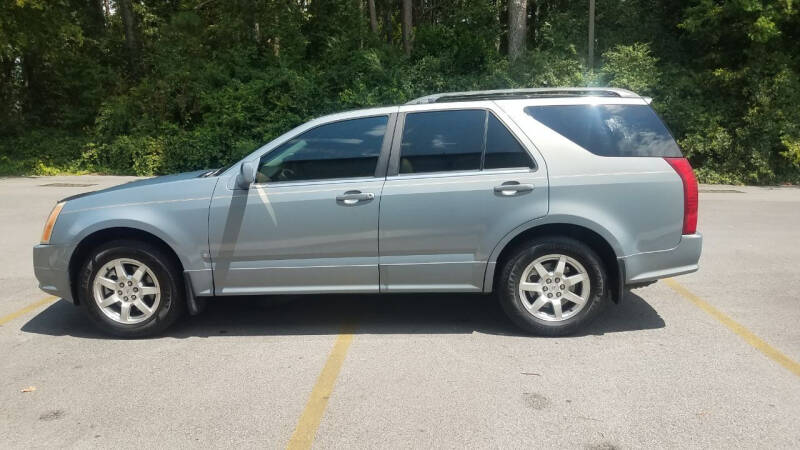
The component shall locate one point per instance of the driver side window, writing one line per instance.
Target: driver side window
(345, 149)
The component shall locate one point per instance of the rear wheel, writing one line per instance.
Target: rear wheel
(131, 289)
(552, 286)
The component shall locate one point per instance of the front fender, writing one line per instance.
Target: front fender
(176, 213)
(174, 238)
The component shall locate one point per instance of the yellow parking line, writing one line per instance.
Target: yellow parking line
(748, 336)
(306, 428)
(27, 309)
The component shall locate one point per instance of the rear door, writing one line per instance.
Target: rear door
(459, 180)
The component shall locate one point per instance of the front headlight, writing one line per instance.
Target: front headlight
(51, 222)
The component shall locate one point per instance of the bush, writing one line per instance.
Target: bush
(631, 67)
(42, 152)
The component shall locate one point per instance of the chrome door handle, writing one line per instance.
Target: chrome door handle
(510, 188)
(353, 197)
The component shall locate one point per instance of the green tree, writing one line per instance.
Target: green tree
(156, 86)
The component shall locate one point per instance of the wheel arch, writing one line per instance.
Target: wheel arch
(99, 237)
(597, 238)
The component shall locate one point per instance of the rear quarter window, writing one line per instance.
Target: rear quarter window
(610, 130)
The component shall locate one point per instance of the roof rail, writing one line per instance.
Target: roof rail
(507, 94)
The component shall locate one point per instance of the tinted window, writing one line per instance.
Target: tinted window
(338, 150)
(502, 149)
(441, 141)
(609, 130)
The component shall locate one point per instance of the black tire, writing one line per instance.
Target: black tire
(524, 255)
(172, 303)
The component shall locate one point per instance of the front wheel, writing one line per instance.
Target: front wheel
(131, 289)
(552, 286)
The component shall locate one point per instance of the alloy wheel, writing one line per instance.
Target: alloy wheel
(126, 290)
(554, 287)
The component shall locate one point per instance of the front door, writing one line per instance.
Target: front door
(310, 222)
(459, 181)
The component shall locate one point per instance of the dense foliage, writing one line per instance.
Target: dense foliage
(185, 84)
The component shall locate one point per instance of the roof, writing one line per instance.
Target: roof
(503, 94)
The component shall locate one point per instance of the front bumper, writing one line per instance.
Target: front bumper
(650, 266)
(52, 270)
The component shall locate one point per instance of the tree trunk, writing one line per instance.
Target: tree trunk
(537, 7)
(407, 19)
(131, 39)
(498, 38)
(517, 27)
(373, 17)
(34, 107)
(590, 61)
(387, 20)
(97, 17)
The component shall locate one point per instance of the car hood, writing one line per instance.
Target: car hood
(170, 188)
(161, 180)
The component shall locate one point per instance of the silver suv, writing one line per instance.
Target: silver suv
(555, 199)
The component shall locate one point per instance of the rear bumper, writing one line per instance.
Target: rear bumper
(650, 266)
(51, 269)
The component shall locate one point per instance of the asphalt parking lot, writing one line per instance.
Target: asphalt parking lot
(704, 360)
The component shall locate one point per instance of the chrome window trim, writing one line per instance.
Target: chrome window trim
(276, 184)
(459, 173)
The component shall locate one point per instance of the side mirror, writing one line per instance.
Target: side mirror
(247, 175)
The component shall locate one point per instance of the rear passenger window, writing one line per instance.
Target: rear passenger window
(441, 141)
(610, 130)
(502, 149)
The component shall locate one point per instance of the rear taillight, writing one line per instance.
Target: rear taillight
(684, 169)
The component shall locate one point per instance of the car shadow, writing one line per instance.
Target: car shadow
(368, 314)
